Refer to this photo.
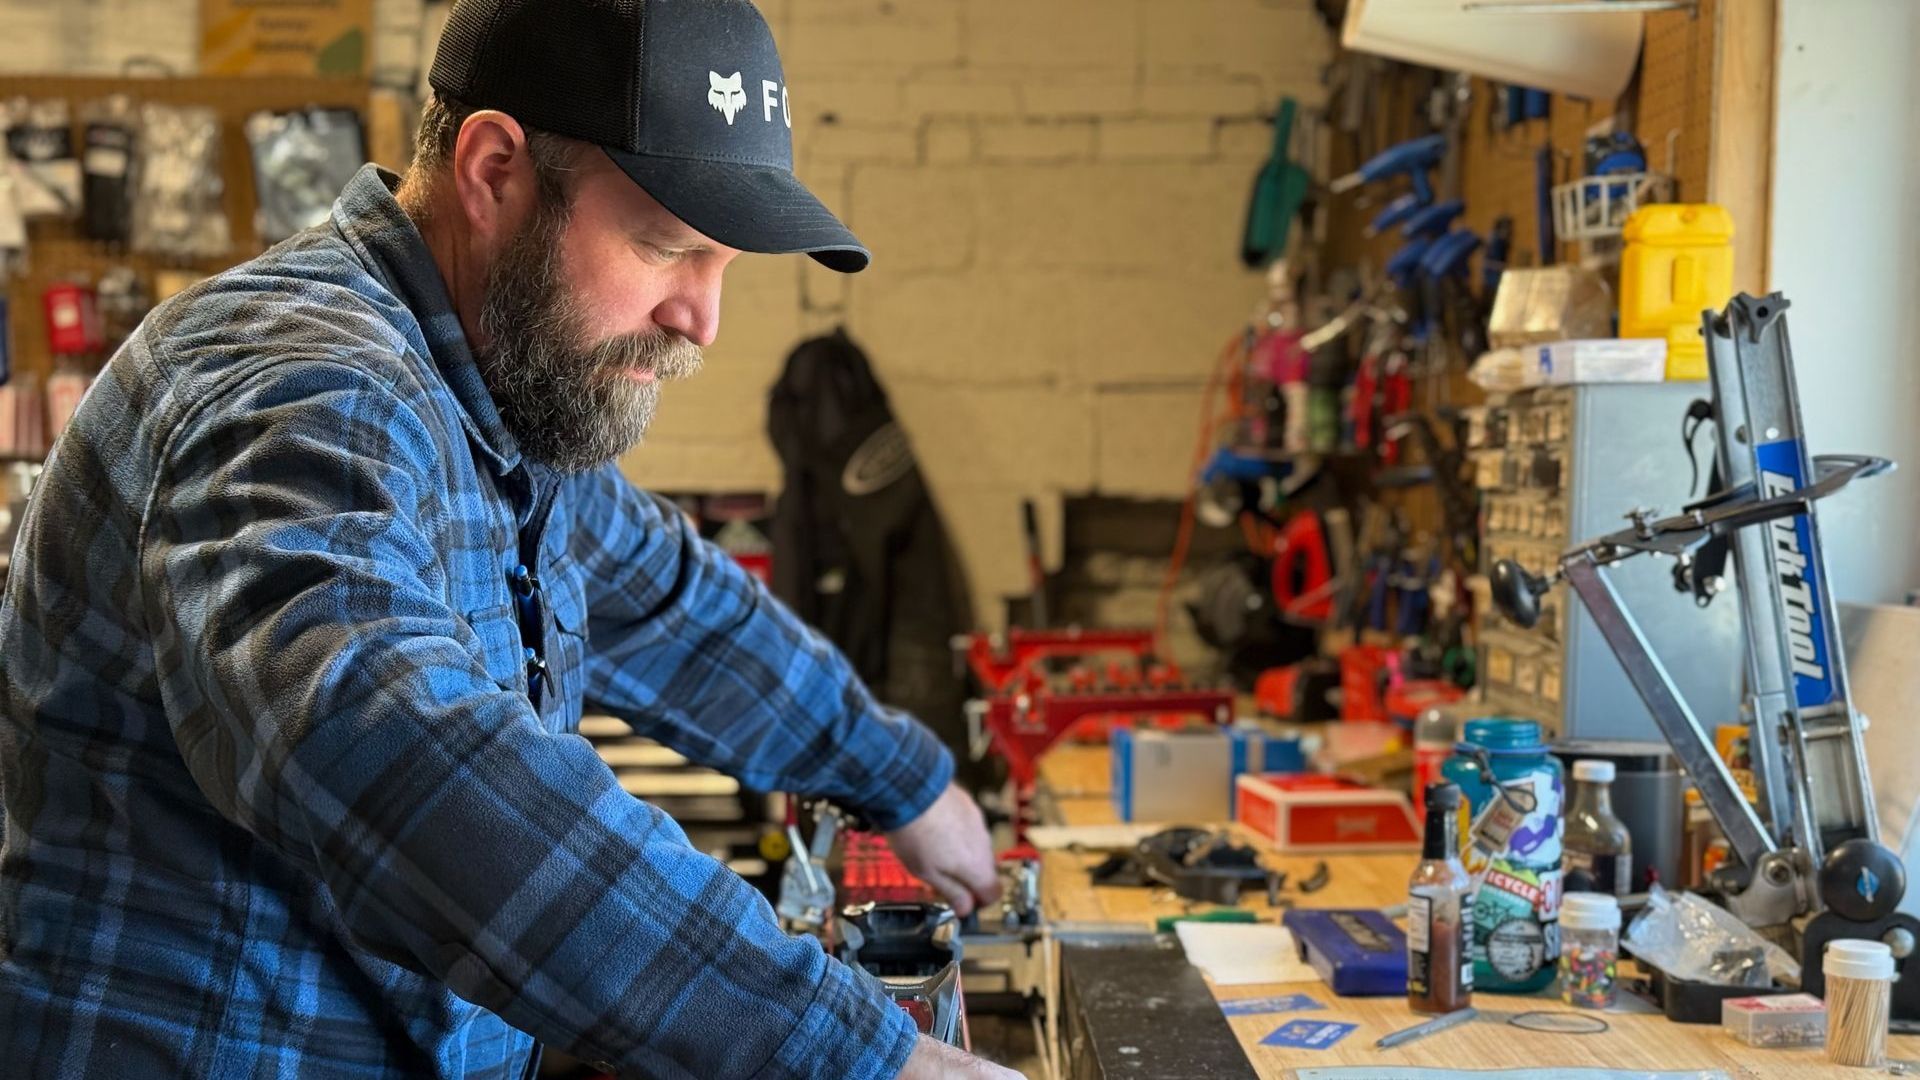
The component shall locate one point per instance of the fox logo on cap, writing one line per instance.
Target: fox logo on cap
(727, 95)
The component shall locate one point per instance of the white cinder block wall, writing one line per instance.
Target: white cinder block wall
(1054, 192)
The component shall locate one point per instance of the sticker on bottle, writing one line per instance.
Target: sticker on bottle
(1505, 813)
(1419, 945)
(1419, 917)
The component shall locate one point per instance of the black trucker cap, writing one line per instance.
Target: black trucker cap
(686, 96)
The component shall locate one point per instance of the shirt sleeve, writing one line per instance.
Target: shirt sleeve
(326, 698)
(694, 651)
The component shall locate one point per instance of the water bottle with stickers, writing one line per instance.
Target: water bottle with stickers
(1513, 828)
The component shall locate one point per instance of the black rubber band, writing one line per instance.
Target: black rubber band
(1560, 1023)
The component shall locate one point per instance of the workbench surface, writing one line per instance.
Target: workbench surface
(1076, 777)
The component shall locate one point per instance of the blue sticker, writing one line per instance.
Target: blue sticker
(1796, 565)
(1282, 1004)
(1309, 1034)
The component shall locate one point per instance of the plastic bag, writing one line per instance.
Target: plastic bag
(1692, 938)
(1503, 371)
(179, 201)
(301, 161)
(40, 153)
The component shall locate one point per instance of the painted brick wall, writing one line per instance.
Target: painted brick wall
(1053, 191)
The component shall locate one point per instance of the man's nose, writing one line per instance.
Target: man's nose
(693, 312)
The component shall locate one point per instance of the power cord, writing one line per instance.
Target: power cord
(1699, 414)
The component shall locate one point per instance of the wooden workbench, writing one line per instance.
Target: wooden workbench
(1077, 779)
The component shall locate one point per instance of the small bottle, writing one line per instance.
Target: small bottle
(1589, 949)
(1440, 913)
(1599, 850)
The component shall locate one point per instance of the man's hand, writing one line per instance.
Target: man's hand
(948, 848)
(935, 1060)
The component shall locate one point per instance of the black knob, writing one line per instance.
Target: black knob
(1862, 881)
(1517, 593)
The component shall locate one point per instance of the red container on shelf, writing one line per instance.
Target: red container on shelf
(73, 320)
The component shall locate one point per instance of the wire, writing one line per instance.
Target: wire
(1235, 349)
(1698, 414)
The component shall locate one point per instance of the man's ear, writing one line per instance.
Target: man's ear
(493, 176)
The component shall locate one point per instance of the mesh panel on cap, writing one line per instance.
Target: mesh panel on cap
(563, 66)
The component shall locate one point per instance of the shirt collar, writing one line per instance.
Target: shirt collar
(371, 221)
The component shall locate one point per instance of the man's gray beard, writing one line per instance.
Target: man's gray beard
(571, 407)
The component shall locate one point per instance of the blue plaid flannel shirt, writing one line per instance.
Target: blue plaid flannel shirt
(277, 799)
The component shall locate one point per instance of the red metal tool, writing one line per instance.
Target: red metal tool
(1027, 711)
(998, 660)
(1025, 723)
(1303, 585)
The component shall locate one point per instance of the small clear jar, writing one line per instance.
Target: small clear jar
(1589, 950)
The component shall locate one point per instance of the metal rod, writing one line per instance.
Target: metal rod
(1432, 1027)
(1691, 743)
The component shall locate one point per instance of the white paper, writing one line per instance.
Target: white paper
(1242, 954)
(1092, 837)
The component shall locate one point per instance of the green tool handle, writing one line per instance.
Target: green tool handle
(1164, 924)
(1283, 128)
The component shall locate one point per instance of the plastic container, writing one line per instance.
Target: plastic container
(1512, 827)
(1678, 263)
(1589, 950)
(1776, 1023)
(1859, 1002)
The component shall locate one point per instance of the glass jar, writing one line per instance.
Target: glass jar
(1589, 949)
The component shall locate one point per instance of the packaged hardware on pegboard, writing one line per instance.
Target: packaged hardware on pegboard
(106, 160)
(301, 161)
(40, 155)
(178, 194)
(13, 229)
(124, 300)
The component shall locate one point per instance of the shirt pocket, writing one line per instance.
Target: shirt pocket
(496, 644)
(566, 593)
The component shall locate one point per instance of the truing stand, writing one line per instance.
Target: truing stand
(1812, 845)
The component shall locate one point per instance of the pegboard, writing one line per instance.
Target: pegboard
(1669, 104)
(1676, 96)
(58, 251)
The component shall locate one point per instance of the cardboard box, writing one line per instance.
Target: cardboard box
(286, 37)
(1311, 814)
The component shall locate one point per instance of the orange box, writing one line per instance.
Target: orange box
(1310, 814)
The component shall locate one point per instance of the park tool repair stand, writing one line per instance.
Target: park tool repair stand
(1809, 856)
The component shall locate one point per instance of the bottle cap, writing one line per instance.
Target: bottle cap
(1600, 771)
(1590, 911)
(1858, 960)
(1443, 796)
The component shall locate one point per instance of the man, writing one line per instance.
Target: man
(312, 593)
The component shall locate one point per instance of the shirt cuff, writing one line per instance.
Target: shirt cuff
(848, 1031)
(918, 774)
